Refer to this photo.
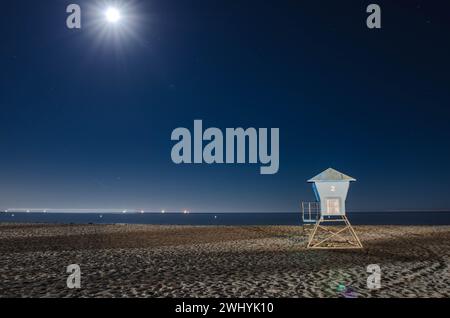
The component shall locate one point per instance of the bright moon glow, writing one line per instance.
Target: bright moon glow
(112, 15)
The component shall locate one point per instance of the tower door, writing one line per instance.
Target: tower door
(333, 206)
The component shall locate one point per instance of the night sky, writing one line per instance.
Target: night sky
(86, 115)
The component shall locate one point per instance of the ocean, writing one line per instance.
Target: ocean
(356, 218)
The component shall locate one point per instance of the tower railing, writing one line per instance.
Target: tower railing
(310, 212)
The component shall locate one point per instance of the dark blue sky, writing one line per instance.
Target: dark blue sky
(85, 120)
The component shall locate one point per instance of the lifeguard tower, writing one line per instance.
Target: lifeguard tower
(332, 230)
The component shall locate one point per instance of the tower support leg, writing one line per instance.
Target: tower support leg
(322, 236)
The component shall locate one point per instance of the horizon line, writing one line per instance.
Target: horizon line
(187, 211)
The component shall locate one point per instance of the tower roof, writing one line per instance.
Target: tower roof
(331, 175)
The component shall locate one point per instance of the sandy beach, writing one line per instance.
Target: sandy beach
(208, 261)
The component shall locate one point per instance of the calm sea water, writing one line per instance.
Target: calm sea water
(367, 218)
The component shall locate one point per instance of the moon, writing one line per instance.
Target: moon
(113, 15)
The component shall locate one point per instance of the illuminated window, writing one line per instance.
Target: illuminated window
(333, 206)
